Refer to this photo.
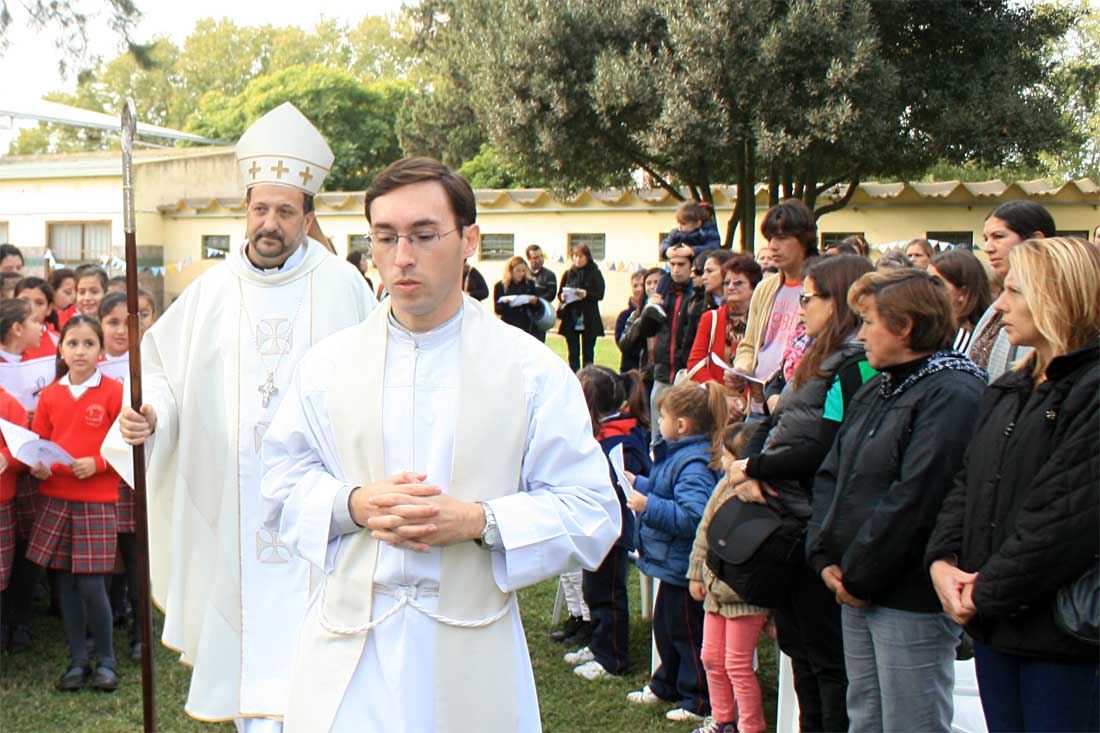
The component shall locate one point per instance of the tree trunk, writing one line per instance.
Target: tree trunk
(773, 185)
(694, 192)
(746, 193)
(788, 180)
(809, 185)
(839, 204)
(731, 225)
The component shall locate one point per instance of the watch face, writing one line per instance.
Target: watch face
(491, 537)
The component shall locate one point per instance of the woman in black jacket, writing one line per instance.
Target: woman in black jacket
(514, 298)
(876, 498)
(782, 461)
(580, 318)
(1022, 519)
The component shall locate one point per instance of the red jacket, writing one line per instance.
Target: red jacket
(79, 426)
(12, 411)
(699, 348)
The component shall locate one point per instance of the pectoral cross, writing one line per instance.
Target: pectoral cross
(268, 389)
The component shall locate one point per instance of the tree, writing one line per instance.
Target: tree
(1076, 84)
(488, 169)
(356, 119)
(67, 21)
(804, 94)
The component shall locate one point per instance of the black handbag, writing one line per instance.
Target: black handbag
(756, 550)
(1077, 607)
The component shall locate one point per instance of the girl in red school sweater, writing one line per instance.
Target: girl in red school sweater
(116, 331)
(75, 532)
(63, 282)
(39, 295)
(13, 412)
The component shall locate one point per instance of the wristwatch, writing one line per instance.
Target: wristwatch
(490, 536)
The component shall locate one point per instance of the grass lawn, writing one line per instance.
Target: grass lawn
(29, 703)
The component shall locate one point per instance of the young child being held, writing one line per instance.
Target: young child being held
(613, 424)
(63, 282)
(74, 534)
(38, 293)
(670, 503)
(731, 627)
(91, 286)
(695, 232)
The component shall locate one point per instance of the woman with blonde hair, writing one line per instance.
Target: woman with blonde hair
(1023, 520)
(514, 298)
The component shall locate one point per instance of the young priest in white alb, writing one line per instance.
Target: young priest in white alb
(431, 461)
(215, 368)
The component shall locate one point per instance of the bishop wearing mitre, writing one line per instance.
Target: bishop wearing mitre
(215, 368)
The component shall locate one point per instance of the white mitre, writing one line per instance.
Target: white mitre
(284, 148)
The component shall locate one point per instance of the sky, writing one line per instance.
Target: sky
(28, 69)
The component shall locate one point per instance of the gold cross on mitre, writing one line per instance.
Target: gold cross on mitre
(283, 147)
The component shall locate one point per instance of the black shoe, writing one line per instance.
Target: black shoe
(105, 679)
(20, 639)
(581, 636)
(568, 629)
(74, 679)
(135, 651)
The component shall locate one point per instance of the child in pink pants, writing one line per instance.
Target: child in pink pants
(731, 627)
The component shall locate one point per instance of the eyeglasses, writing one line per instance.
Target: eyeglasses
(805, 298)
(421, 240)
(735, 284)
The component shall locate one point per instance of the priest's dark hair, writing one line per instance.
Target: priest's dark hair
(78, 320)
(307, 200)
(408, 171)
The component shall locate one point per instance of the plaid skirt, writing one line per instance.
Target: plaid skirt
(126, 509)
(77, 536)
(7, 542)
(26, 505)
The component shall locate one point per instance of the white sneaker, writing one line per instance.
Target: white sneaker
(679, 715)
(582, 655)
(594, 671)
(644, 696)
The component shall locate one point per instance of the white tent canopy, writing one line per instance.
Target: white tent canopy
(63, 114)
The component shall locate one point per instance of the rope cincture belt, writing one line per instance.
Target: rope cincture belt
(408, 595)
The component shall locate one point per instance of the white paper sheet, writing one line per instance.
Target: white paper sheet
(115, 367)
(616, 459)
(570, 295)
(748, 377)
(30, 449)
(25, 380)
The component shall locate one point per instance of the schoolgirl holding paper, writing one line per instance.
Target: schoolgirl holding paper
(39, 295)
(75, 532)
(13, 412)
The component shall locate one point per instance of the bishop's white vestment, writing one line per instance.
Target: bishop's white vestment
(232, 593)
(400, 640)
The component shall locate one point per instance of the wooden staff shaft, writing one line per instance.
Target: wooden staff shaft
(145, 610)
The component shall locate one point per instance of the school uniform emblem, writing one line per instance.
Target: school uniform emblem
(95, 416)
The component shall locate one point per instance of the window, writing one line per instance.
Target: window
(962, 240)
(3, 232)
(215, 246)
(359, 243)
(596, 242)
(828, 239)
(497, 246)
(1078, 233)
(79, 241)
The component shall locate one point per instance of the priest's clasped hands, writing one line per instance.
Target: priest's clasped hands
(403, 511)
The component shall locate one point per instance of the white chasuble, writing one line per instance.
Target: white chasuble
(215, 368)
(400, 640)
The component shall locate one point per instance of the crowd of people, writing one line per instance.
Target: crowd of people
(886, 465)
(73, 324)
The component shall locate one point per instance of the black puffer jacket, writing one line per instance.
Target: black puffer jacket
(877, 495)
(801, 431)
(1024, 512)
(589, 279)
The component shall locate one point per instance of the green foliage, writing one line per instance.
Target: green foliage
(66, 22)
(1076, 84)
(488, 169)
(356, 119)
